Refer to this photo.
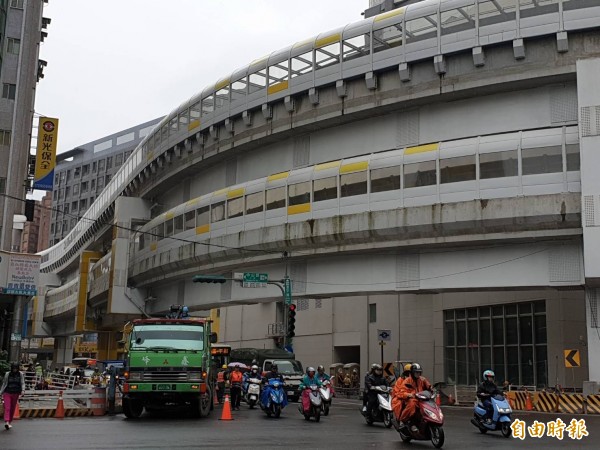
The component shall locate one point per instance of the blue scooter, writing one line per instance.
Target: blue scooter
(500, 419)
(273, 398)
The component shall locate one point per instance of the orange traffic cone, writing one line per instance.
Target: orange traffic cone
(215, 398)
(528, 404)
(226, 415)
(60, 407)
(17, 412)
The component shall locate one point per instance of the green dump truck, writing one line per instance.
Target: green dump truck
(167, 366)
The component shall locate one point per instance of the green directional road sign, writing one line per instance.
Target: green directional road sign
(287, 289)
(253, 280)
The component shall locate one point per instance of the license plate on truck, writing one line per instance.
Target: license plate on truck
(163, 387)
(290, 392)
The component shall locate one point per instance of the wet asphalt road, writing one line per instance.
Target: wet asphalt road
(343, 429)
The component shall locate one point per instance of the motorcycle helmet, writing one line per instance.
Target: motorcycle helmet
(185, 309)
(224, 366)
(321, 369)
(416, 370)
(488, 373)
(407, 367)
(376, 367)
(254, 367)
(310, 369)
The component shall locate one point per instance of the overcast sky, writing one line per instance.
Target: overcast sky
(117, 63)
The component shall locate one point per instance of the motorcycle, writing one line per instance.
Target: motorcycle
(326, 397)
(273, 398)
(383, 411)
(252, 391)
(500, 419)
(429, 421)
(314, 409)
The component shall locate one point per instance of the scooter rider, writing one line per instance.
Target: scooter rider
(309, 379)
(486, 390)
(252, 374)
(411, 386)
(374, 378)
(321, 375)
(396, 400)
(274, 373)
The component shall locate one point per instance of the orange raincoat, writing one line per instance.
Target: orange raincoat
(400, 396)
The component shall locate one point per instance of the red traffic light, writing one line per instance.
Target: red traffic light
(292, 307)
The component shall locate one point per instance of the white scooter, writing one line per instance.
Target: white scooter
(253, 392)
(326, 397)
(382, 412)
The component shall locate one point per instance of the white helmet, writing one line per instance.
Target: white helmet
(255, 367)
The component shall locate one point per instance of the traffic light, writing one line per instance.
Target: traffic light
(291, 324)
(209, 279)
(29, 210)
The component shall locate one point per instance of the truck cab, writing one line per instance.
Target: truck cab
(292, 373)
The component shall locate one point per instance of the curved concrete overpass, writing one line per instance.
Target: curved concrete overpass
(428, 160)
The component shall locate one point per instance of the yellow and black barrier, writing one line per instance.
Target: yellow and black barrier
(49, 412)
(593, 404)
(571, 403)
(546, 402)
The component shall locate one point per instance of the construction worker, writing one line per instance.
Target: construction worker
(221, 378)
(235, 381)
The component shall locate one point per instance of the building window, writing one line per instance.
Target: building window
(74, 206)
(83, 204)
(5, 137)
(9, 91)
(542, 160)
(454, 170)
(76, 189)
(190, 220)
(275, 198)
(509, 339)
(67, 191)
(353, 183)
(118, 160)
(217, 212)
(77, 172)
(419, 174)
(94, 167)
(235, 207)
(13, 46)
(299, 194)
(573, 162)
(498, 164)
(109, 162)
(84, 186)
(86, 170)
(373, 313)
(202, 216)
(101, 164)
(255, 203)
(385, 179)
(16, 4)
(325, 189)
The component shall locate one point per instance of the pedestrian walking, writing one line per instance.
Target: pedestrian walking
(13, 387)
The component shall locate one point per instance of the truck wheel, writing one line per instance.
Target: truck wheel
(204, 403)
(132, 409)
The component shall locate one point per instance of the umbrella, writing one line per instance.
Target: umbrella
(238, 364)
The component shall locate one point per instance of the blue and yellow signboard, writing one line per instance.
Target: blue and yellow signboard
(45, 160)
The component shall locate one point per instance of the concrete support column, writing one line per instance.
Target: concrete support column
(17, 328)
(63, 351)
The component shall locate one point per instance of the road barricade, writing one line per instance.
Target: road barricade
(593, 404)
(518, 399)
(545, 402)
(571, 403)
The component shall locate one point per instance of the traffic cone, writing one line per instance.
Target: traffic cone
(528, 404)
(215, 398)
(17, 412)
(226, 415)
(60, 407)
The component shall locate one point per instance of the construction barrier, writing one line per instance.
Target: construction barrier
(46, 412)
(570, 403)
(518, 399)
(99, 401)
(546, 402)
(593, 404)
